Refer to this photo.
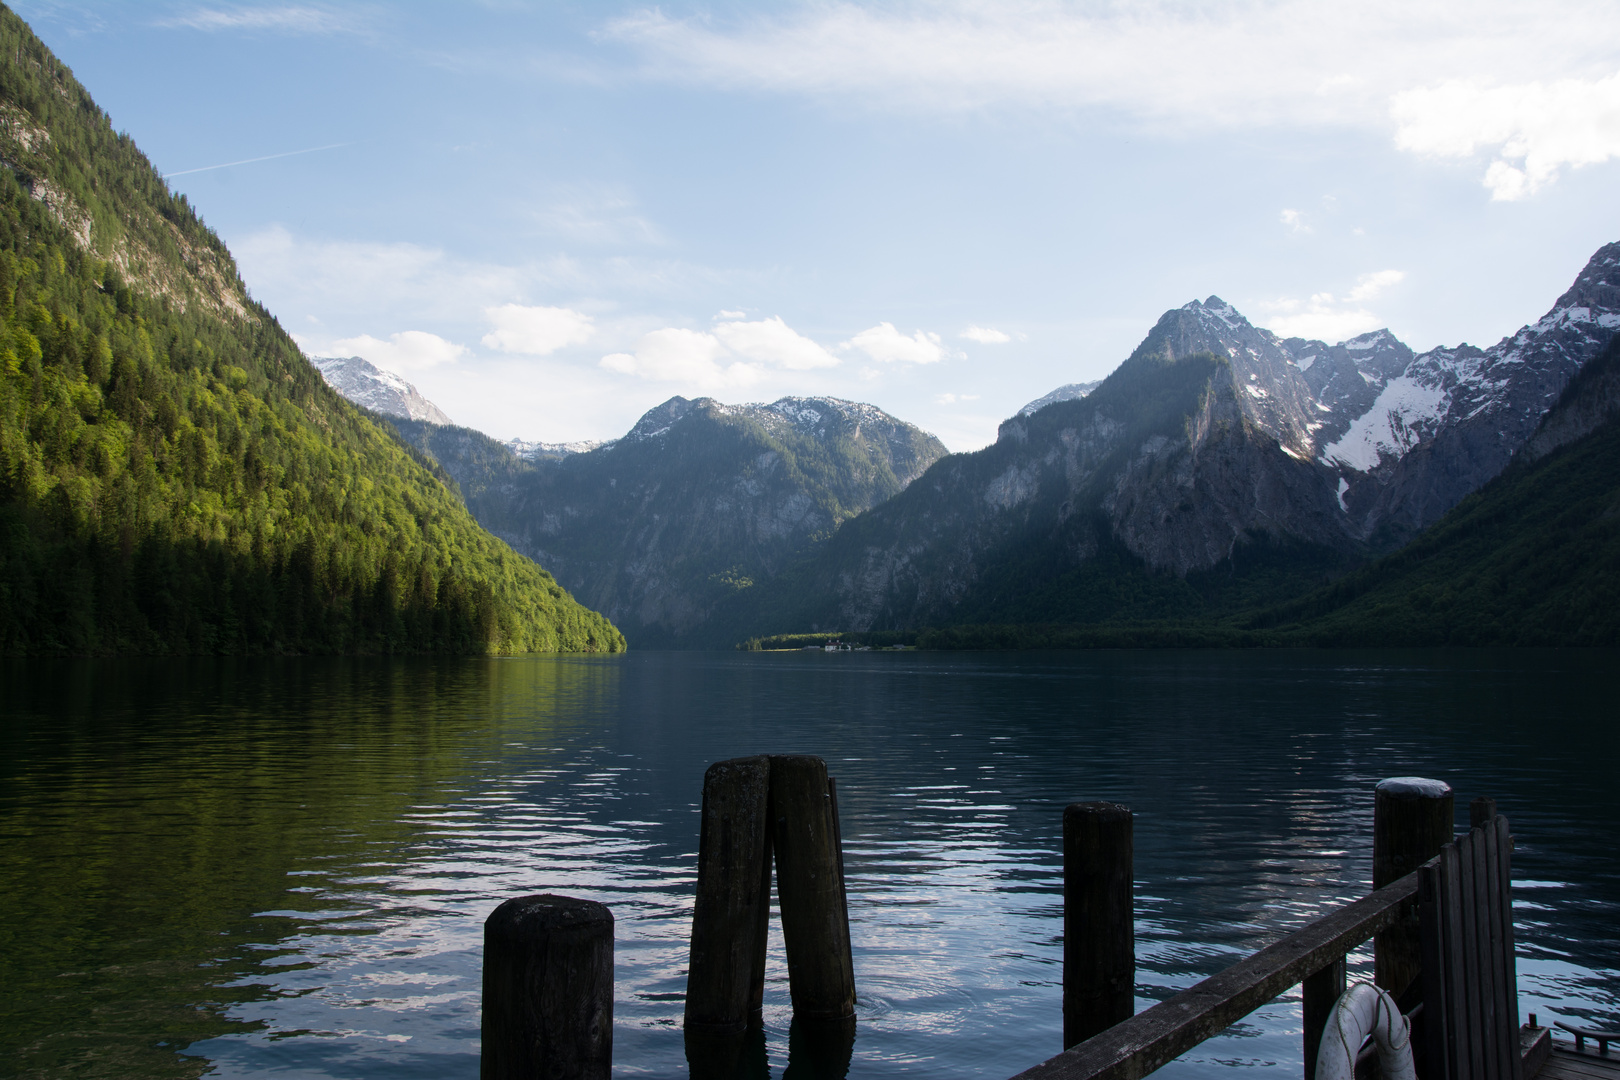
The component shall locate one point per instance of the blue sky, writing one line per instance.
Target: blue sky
(551, 217)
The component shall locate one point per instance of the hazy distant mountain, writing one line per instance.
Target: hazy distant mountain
(698, 502)
(373, 388)
(536, 451)
(1066, 392)
(1216, 444)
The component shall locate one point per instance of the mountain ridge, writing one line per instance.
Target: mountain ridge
(697, 501)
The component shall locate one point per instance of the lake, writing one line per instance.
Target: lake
(281, 867)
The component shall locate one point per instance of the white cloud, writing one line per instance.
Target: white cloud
(409, 350)
(952, 399)
(772, 341)
(1236, 64)
(737, 353)
(1295, 221)
(686, 356)
(883, 342)
(298, 20)
(1326, 317)
(1370, 285)
(536, 331)
(732, 315)
(1321, 317)
(1533, 129)
(985, 335)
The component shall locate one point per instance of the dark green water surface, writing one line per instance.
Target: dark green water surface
(281, 868)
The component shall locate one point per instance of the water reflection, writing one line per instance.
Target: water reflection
(284, 865)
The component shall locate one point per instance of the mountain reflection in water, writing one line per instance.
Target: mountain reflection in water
(235, 868)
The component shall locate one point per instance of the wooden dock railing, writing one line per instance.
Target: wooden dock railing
(1443, 932)
(1149, 1039)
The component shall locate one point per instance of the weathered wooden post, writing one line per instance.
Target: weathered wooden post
(1321, 992)
(810, 889)
(725, 982)
(1099, 933)
(1481, 812)
(1412, 821)
(548, 990)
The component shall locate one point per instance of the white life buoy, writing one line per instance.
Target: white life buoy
(1360, 1011)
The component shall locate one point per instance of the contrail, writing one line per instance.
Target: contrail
(251, 160)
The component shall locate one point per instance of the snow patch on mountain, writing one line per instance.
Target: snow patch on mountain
(1066, 392)
(1404, 412)
(372, 388)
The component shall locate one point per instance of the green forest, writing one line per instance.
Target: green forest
(174, 476)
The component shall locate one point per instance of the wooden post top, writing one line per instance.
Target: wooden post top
(546, 912)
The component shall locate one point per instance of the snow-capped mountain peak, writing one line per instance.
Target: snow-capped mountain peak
(372, 388)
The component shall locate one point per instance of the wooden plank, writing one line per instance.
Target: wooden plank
(1472, 1001)
(1504, 835)
(1451, 878)
(1499, 1031)
(1567, 1065)
(1436, 1032)
(1134, 1048)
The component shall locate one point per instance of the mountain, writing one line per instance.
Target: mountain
(174, 476)
(1219, 467)
(536, 451)
(1066, 392)
(1533, 558)
(372, 388)
(700, 501)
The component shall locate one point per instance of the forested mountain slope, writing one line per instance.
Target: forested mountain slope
(174, 476)
(700, 501)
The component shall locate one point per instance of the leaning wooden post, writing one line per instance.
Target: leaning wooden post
(809, 890)
(1099, 933)
(725, 981)
(548, 990)
(1412, 821)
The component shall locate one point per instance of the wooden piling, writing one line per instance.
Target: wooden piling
(548, 990)
(1321, 992)
(1099, 936)
(1412, 821)
(1481, 812)
(810, 890)
(725, 981)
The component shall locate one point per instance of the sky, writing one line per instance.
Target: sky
(552, 217)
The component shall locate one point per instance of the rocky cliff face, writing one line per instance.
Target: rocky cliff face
(698, 502)
(1214, 437)
(372, 388)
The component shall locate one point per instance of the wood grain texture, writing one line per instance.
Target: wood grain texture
(725, 982)
(1099, 938)
(548, 990)
(810, 890)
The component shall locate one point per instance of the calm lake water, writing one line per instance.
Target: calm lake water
(281, 868)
